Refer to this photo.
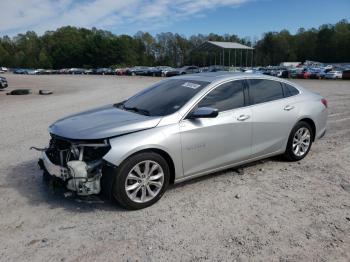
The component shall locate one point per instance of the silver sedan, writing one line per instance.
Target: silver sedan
(181, 128)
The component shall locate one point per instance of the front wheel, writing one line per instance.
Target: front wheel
(299, 142)
(141, 180)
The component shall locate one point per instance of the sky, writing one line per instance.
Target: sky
(245, 18)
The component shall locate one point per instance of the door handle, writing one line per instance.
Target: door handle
(242, 117)
(288, 108)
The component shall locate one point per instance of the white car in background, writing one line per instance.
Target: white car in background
(334, 75)
(3, 69)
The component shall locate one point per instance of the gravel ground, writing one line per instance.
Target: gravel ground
(275, 211)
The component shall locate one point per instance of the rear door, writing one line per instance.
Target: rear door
(210, 143)
(273, 115)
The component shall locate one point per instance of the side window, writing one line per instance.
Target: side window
(261, 90)
(225, 97)
(289, 90)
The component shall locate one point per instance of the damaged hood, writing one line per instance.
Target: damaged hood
(103, 122)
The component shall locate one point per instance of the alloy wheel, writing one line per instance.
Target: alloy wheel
(301, 141)
(144, 181)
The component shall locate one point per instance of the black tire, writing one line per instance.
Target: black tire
(20, 92)
(118, 189)
(289, 154)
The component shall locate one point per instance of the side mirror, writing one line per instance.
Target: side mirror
(204, 112)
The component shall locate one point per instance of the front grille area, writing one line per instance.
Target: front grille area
(59, 143)
(60, 150)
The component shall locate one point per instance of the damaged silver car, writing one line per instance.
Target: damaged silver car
(181, 128)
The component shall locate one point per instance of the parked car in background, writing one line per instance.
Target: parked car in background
(294, 72)
(274, 72)
(137, 70)
(21, 71)
(317, 73)
(49, 72)
(346, 74)
(158, 70)
(76, 71)
(3, 69)
(253, 71)
(194, 125)
(121, 71)
(89, 71)
(328, 68)
(105, 71)
(3, 82)
(183, 71)
(63, 71)
(284, 73)
(306, 73)
(165, 69)
(217, 68)
(333, 75)
(266, 71)
(33, 71)
(153, 71)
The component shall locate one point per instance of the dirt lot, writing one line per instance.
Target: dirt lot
(276, 211)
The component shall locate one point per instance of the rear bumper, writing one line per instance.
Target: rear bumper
(322, 134)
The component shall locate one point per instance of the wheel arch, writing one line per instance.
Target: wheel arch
(162, 153)
(312, 124)
(165, 155)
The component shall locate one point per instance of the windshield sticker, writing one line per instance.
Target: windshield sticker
(191, 85)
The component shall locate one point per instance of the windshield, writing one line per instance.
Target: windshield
(164, 98)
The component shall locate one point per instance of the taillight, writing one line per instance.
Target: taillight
(324, 102)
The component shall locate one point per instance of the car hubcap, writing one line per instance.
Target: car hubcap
(301, 141)
(144, 181)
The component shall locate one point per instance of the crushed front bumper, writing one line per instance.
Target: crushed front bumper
(52, 169)
(75, 176)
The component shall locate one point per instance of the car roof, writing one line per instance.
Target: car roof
(221, 76)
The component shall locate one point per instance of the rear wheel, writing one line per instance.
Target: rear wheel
(141, 180)
(299, 142)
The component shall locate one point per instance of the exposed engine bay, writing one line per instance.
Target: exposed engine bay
(77, 163)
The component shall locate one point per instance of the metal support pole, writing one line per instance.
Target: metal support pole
(229, 59)
(235, 57)
(246, 58)
(241, 58)
(223, 57)
(252, 58)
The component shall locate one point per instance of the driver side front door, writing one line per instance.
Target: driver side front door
(213, 143)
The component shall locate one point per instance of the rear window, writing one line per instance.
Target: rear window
(289, 90)
(262, 90)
